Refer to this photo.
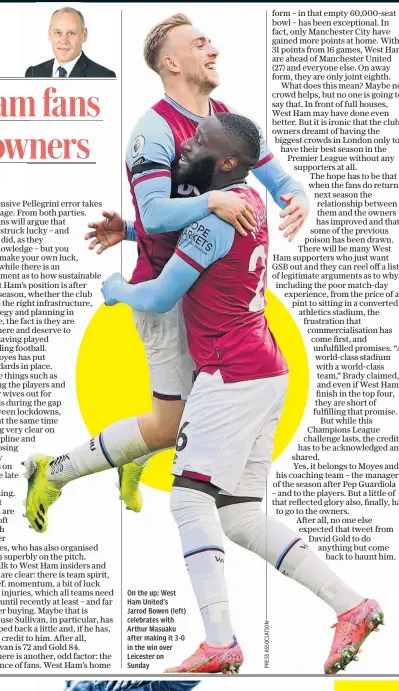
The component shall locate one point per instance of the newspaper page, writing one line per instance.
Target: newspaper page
(199, 345)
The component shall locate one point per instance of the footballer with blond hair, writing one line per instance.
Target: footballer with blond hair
(185, 60)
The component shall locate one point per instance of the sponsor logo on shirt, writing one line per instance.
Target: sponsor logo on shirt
(197, 234)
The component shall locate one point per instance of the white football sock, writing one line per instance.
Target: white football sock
(245, 524)
(116, 445)
(248, 526)
(202, 542)
(290, 555)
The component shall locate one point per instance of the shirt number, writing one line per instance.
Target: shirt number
(258, 302)
(186, 190)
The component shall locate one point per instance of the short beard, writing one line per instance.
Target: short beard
(202, 84)
(199, 174)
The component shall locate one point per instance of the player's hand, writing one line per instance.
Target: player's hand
(111, 287)
(234, 209)
(295, 214)
(106, 233)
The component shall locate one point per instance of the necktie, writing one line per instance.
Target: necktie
(62, 72)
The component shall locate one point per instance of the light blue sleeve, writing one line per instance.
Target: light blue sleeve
(264, 149)
(161, 214)
(152, 141)
(162, 293)
(205, 241)
(273, 176)
(200, 245)
(130, 231)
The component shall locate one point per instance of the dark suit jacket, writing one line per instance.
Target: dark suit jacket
(83, 68)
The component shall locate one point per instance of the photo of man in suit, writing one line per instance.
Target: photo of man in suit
(67, 33)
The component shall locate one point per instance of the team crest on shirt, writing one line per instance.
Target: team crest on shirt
(138, 145)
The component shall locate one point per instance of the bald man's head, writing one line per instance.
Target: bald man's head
(67, 33)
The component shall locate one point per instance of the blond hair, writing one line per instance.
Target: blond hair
(157, 37)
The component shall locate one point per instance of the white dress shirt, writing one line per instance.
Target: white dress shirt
(68, 67)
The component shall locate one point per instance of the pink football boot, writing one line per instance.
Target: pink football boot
(211, 660)
(351, 629)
